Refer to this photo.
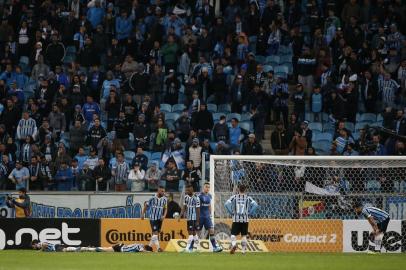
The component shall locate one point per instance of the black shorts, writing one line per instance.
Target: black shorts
(117, 248)
(156, 225)
(239, 228)
(192, 226)
(59, 248)
(383, 225)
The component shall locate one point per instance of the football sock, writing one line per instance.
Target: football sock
(244, 243)
(213, 241)
(233, 240)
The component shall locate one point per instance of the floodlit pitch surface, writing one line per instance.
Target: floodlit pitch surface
(10, 260)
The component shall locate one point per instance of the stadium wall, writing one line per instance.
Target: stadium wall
(278, 235)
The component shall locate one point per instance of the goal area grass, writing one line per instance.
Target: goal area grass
(18, 259)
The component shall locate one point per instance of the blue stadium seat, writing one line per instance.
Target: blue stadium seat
(360, 125)
(166, 107)
(285, 50)
(148, 154)
(377, 124)
(178, 108)
(324, 137)
(329, 127)
(350, 126)
(212, 108)
(325, 117)
(316, 126)
(267, 68)
(233, 115)
(285, 59)
(129, 156)
(282, 71)
(226, 108)
(260, 59)
(379, 117)
(245, 117)
(273, 60)
(171, 116)
(69, 59)
(216, 116)
(247, 125)
(309, 117)
(322, 148)
(70, 50)
(355, 135)
(170, 124)
(367, 117)
(156, 156)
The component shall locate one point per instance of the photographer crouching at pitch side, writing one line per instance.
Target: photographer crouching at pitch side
(22, 204)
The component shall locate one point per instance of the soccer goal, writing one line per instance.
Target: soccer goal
(303, 200)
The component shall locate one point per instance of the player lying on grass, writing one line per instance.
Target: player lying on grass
(120, 248)
(205, 216)
(157, 209)
(240, 206)
(48, 247)
(378, 219)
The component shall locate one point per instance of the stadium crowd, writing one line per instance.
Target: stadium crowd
(126, 95)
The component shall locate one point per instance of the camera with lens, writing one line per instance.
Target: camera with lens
(9, 197)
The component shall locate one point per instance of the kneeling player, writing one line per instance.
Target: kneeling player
(48, 247)
(205, 219)
(378, 219)
(240, 206)
(122, 248)
(191, 209)
(157, 207)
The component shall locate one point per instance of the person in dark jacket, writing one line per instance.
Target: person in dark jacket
(140, 158)
(298, 98)
(218, 86)
(203, 122)
(251, 146)
(112, 107)
(220, 130)
(258, 119)
(102, 174)
(123, 128)
(141, 132)
(172, 88)
(10, 117)
(55, 52)
(96, 133)
(77, 136)
(279, 140)
(182, 125)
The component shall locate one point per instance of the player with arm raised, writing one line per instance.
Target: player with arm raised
(191, 210)
(240, 206)
(378, 219)
(205, 216)
(158, 207)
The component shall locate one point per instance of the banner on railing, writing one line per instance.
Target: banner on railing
(18, 233)
(82, 205)
(128, 231)
(396, 207)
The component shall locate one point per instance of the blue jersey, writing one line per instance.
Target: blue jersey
(205, 202)
(132, 248)
(378, 214)
(156, 207)
(49, 247)
(191, 203)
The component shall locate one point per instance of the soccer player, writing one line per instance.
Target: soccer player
(191, 210)
(158, 207)
(240, 206)
(378, 219)
(205, 216)
(122, 248)
(48, 247)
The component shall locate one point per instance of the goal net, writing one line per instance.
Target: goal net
(303, 199)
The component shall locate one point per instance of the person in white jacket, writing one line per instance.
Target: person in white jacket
(137, 178)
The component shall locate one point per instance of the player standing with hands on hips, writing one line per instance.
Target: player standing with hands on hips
(378, 219)
(157, 206)
(240, 206)
(191, 210)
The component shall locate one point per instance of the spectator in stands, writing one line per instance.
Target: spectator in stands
(136, 178)
(95, 134)
(350, 150)
(172, 88)
(64, 177)
(92, 159)
(152, 176)
(298, 144)
(122, 127)
(258, 120)
(119, 172)
(316, 103)
(238, 94)
(299, 99)
(202, 121)
(194, 153)
(236, 133)
(171, 176)
(279, 97)
(19, 175)
(220, 130)
(369, 92)
(102, 175)
(279, 140)
(380, 149)
(342, 141)
(251, 146)
(86, 181)
(140, 158)
(141, 132)
(307, 132)
(192, 175)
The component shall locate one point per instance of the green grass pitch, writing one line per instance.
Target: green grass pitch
(10, 260)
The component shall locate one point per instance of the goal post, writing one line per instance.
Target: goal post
(303, 199)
